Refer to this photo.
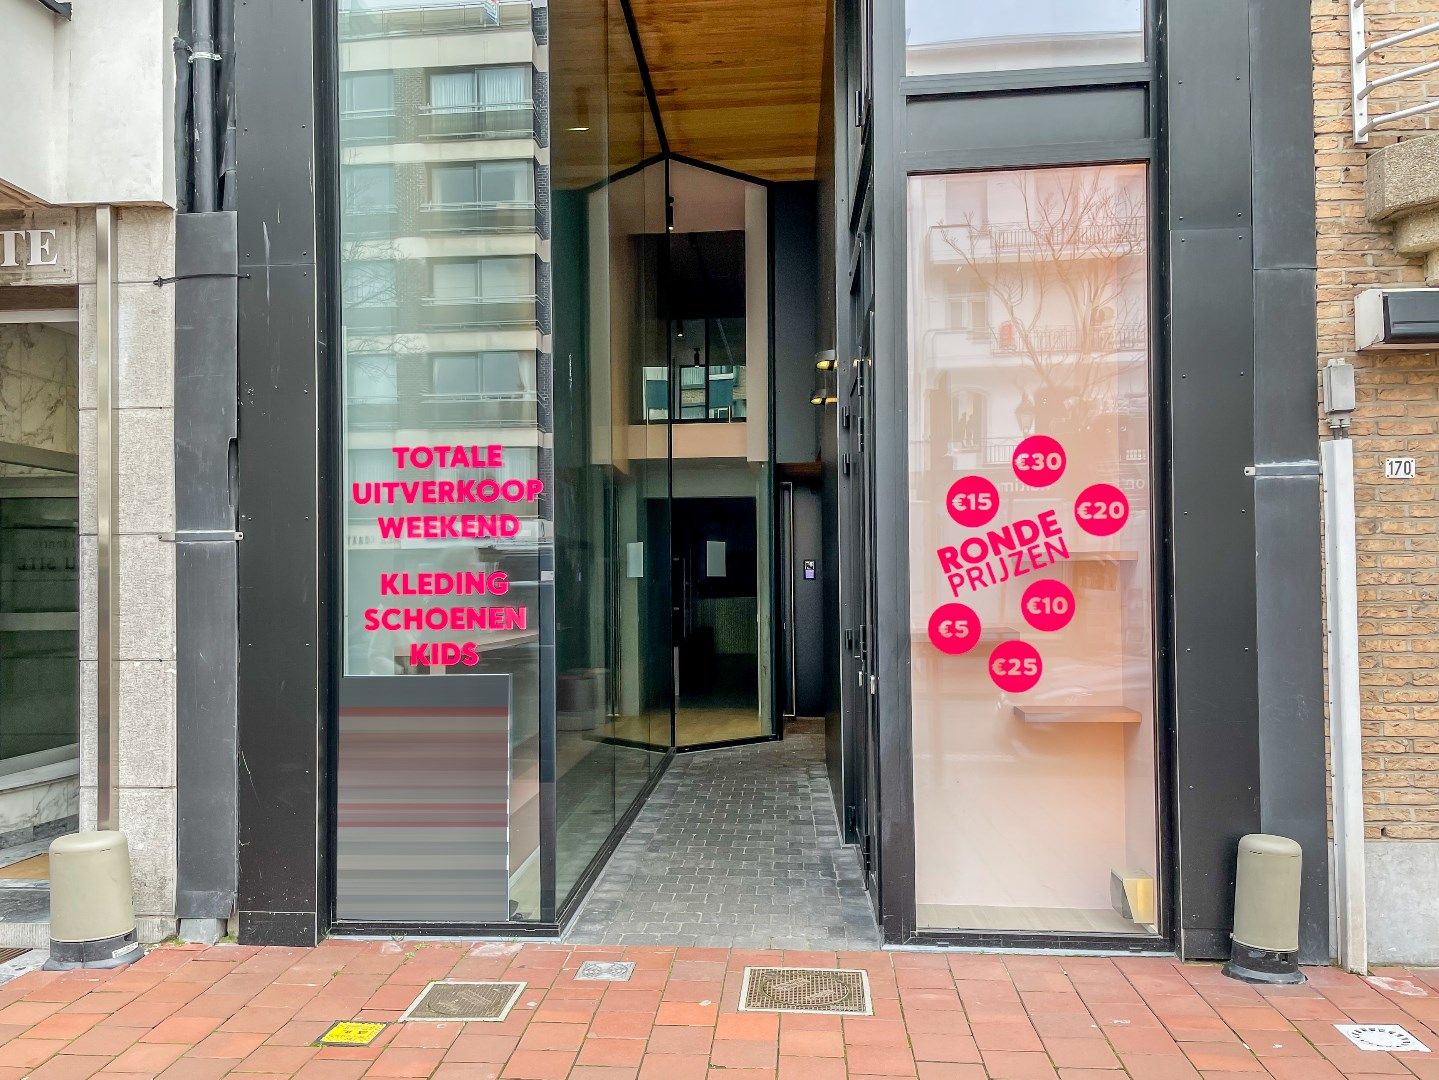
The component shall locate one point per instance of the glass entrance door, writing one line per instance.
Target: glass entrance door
(715, 382)
(716, 597)
(39, 592)
(39, 621)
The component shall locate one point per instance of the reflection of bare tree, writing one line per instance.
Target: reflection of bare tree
(371, 269)
(1065, 280)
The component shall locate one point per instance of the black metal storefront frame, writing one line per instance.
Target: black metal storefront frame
(1225, 115)
(1222, 113)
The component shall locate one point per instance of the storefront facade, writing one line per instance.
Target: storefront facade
(1118, 244)
(492, 408)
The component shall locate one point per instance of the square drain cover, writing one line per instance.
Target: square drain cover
(1387, 1037)
(605, 971)
(806, 990)
(453, 1000)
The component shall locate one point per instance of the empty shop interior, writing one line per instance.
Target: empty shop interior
(739, 344)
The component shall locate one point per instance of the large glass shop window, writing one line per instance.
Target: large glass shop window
(446, 451)
(943, 37)
(1031, 564)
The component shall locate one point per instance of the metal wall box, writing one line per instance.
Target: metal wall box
(1396, 319)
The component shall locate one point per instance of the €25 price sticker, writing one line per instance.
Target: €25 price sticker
(1015, 666)
(954, 628)
(1048, 605)
(1101, 509)
(1039, 460)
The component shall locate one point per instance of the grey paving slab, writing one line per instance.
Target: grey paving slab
(736, 848)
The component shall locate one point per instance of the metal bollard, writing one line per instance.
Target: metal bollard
(1266, 911)
(92, 917)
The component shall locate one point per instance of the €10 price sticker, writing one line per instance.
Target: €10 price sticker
(1047, 605)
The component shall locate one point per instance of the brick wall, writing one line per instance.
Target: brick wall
(1397, 522)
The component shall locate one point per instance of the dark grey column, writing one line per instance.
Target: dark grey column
(1293, 777)
(890, 448)
(796, 277)
(283, 621)
(205, 615)
(1211, 381)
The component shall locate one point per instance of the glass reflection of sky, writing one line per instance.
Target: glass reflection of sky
(932, 21)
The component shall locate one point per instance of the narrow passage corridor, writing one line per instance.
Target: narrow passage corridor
(736, 848)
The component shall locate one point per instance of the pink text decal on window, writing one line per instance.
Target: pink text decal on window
(454, 622)
(993, 555)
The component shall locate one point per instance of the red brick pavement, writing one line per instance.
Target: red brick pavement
(195, 1013)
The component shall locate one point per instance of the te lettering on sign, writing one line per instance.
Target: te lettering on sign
(37, 246)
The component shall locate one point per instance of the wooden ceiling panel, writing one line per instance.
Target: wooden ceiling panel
(738, 81)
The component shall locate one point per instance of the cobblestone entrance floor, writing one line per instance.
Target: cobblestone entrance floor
(198, 1013)
(736, 848)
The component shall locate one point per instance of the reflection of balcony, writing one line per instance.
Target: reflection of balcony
(478, 217)
(1060, 240)
(369, 221)
(1069, 236)
(999, 451)
(370, 413)
(368, 18)
(477, 312)
(1070, 339)
(371, 318)
(514, 120)
(468, 410)
(368, 125)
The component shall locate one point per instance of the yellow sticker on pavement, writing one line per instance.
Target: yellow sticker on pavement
(351, 1033)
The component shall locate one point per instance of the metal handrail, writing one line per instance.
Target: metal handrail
(476, 107)
(437, 16)
(1362, 86)
(477, 301)
(527, 397)
(487, 204)
(510, 120)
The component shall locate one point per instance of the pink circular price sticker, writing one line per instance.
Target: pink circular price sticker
(954, 628)
(1048, 605)
(1039, 461)
(1101, 509)
(973, 501)
(1015, 666)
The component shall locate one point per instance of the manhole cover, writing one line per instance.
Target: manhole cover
(805, 990)
(605, 971)
(478, 1001)
(1387, 1037)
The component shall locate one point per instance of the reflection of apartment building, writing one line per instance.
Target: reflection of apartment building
(1034, 313)
(443, 223)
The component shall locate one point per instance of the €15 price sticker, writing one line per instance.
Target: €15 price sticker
(973, 501)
